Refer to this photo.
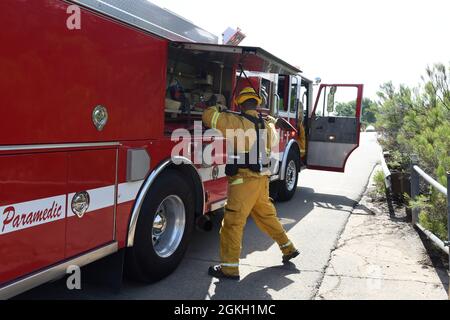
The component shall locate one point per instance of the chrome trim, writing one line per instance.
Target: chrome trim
(218, 205)
(116, 195)
(284, 162)
(54, 272)
(146, 187)
(100, 117)
(80, 203)
(58, 146)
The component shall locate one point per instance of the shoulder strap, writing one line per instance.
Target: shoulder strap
(257, 121)
(231, 112)
(259, 125)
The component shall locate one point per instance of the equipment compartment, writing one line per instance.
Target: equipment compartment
(192, 79)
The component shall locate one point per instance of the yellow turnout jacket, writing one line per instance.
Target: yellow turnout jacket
(227, 123)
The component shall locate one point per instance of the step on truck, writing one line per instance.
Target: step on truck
(91, 95)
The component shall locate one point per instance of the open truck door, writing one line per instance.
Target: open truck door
(334, 126)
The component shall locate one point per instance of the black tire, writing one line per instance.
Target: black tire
(288, 187)
(145, 261)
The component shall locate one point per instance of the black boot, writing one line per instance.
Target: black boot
(216, 271)
(289, 257)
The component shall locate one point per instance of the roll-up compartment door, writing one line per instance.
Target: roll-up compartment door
(252, 58)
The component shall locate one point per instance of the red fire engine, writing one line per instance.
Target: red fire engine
(85, 144)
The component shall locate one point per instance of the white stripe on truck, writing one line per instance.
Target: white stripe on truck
(29, 214)
(33, 213)
(100, 198)
(128, 191)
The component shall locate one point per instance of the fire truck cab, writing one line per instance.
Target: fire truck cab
(87, 163)
(323, 140)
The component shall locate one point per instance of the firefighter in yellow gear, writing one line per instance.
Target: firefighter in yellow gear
(248, 183)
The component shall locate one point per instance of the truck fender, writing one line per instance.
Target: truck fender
(292, 146)
(188, 169)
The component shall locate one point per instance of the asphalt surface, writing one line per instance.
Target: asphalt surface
(314, 219)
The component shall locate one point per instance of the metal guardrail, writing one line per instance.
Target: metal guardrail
(430, 180)
(416, 174)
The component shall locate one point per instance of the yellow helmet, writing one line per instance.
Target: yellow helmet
(246, 94)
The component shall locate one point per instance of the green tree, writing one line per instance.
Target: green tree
(417, 121)
(345, 109)
(393, 106)
(368, 112)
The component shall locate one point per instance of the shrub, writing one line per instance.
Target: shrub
(434, 216)
(380, 185)
(417, 121)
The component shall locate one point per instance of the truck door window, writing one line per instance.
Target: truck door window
(305, 98)
(306, 102)
(283, 93)
(294, 94)
(266, 93)
(337, 102)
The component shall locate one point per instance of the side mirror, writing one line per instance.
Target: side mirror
(330, 102)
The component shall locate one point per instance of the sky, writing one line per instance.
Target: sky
(340, 41)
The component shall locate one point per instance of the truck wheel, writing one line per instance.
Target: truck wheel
(287, 188)
(163, 230)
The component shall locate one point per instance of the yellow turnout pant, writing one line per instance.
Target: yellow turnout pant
(248, 196)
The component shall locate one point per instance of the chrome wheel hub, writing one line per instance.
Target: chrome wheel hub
(291, 172)
(168, 226)
(159, 225)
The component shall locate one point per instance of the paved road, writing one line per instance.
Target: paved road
(314, 219)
